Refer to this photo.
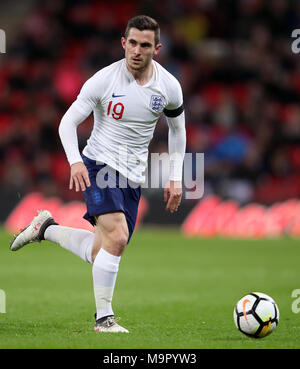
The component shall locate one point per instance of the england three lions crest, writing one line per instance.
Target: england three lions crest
(157, 103)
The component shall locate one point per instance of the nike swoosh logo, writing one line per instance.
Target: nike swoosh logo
(113, 95)
(244, 309)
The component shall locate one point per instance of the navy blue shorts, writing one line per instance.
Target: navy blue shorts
(117, 196)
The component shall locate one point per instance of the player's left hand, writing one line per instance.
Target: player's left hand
(173, 195)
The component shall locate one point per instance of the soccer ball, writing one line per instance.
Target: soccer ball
(256, 315)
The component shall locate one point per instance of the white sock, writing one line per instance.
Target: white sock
(78, 241)
(105, 270)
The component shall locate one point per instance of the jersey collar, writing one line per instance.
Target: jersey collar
(132, 79)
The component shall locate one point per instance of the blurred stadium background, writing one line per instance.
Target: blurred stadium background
(241, 85)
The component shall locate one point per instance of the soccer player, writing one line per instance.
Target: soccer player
(126, 98)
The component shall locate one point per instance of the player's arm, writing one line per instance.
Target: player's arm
(79, 177)
(177, 144)
(76, 114)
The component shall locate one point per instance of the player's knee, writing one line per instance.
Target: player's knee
(119, 239)
(114, 232)
(122, 240)
(113, 243)
(115, 238)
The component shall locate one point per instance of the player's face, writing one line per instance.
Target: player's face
(139, 48)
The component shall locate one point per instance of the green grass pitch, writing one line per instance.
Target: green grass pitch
(171, 293)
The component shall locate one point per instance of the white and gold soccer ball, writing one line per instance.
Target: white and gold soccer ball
(256, 315)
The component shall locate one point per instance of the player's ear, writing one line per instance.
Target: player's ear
(123, 42)
(157, 49)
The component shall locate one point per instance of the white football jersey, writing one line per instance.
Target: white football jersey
(125, 115)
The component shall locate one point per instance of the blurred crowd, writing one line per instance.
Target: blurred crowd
(240, 79)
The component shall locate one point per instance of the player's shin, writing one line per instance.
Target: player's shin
(78, 241)
(105, 270)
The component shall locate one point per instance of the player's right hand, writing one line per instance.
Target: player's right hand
(79, 177)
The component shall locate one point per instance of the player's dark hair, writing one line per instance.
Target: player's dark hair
(143, 22)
